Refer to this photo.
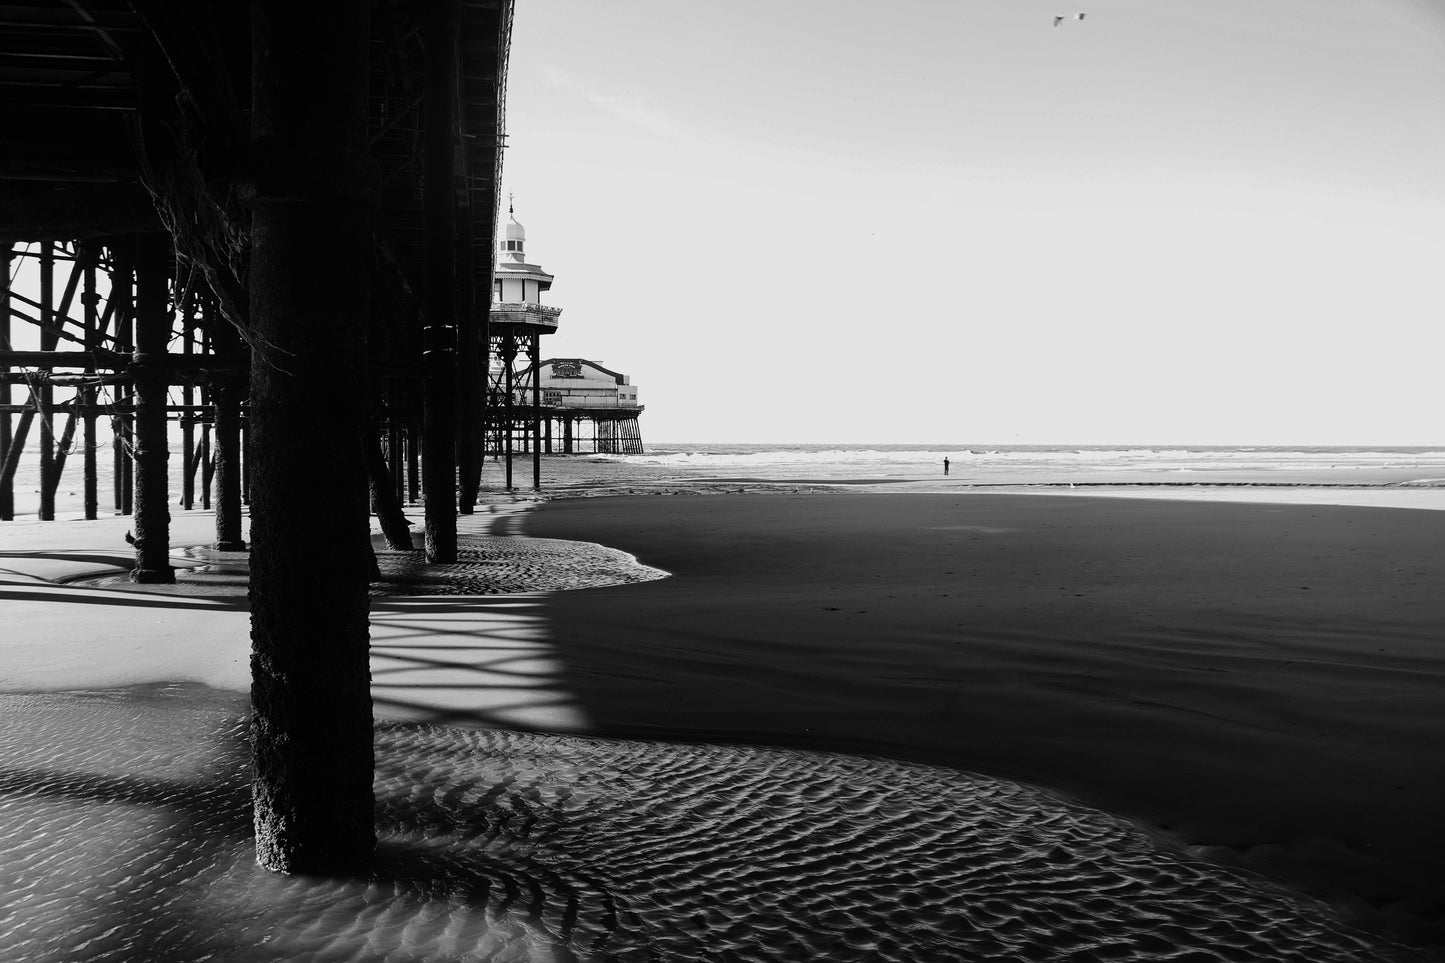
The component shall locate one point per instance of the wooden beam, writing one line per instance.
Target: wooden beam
(198, 412)
(99, 358)
(28, 213)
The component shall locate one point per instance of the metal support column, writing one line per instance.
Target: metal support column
(245, 460)
(413, 459)
(43, 393)
(509, 361)
(58, 312)
(89, 252)
(439, 335)
(226, 395)
(188, 418)
(208, 466)
(395, 446)
(150, 376)
(534, 356)
(7, 430)
(471, 376)
(122, 296)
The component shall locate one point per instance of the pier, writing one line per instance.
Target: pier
(261, 231)
(251, 264)
(591, 408)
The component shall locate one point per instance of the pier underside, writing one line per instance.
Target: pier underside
(241, 247)
(578, 431)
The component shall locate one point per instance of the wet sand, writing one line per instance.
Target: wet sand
(1260, 682)
(1264, 682)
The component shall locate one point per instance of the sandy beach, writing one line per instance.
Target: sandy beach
(486, 481)
(1261, 681)
(1217, 684)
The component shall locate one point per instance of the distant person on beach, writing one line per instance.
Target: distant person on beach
(945, 466)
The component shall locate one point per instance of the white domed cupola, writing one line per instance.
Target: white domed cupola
(514, 241)
(515, 282)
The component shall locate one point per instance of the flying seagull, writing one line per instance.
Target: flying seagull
(1059, 20)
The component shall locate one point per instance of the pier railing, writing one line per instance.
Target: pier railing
(536, 315)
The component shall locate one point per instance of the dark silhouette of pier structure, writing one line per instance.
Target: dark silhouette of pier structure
(269, 227)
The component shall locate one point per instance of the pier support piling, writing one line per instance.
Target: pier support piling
(226, 396)
(413, 462)
(15, 448)
(470, 370)
(188, 420)
(222, 445)
(534, 354)
(207, 466)
(7, 430)
(395, 446)
(439, 335)
(509, 361)
(150, 378)
(89, 253)
(311, 727)
(43, 393)
(122, 297)
(384, 503)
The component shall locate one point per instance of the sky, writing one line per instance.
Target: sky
(951, 221)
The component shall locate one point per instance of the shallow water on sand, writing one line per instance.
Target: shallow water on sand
(125, 834)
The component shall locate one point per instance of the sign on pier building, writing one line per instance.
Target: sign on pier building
(579, 383)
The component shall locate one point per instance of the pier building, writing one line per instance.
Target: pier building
(589, 408)
(560, 405)
(519, 319)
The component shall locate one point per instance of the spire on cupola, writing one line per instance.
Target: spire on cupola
(514, 241)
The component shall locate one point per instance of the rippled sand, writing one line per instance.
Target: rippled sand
(124, 833)
(485, 565)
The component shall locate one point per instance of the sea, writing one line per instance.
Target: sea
(1192, 470)
(951, 467)
(989, 461)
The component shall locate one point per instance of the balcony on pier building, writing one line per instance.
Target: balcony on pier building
(542, 317)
